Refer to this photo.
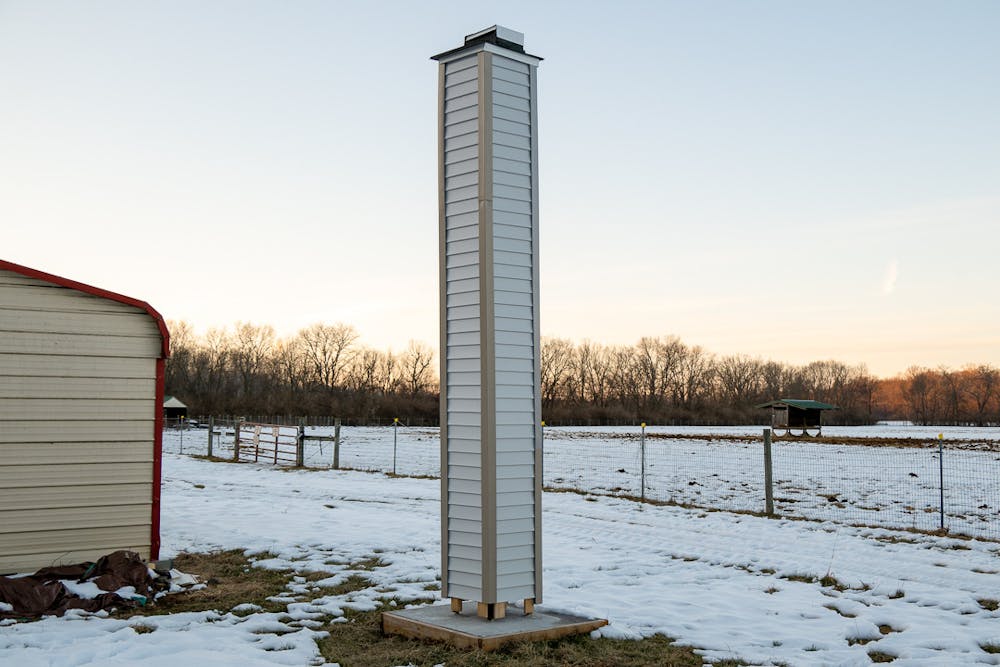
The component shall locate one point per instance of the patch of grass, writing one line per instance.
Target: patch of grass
(898, 594)
(141, 629)
(367, 564)
(802, 578)
(988, 604)
(990, 648)
(771, 590)
(852, 641)
(352, 584)
(880, 656)
(845, 614)
(360, 643)
(231, 580)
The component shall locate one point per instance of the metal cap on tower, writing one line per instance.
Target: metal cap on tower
(496, 35)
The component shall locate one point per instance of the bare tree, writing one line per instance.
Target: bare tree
(416, 367)
(327, 349)
(556, 363)
(251, 345)
(921, 395)
(983, 388)
(739, 378)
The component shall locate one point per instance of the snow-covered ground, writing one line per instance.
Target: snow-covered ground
(732, 585)
(895, 487)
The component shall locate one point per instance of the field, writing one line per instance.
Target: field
(734, 586)
(851, 477)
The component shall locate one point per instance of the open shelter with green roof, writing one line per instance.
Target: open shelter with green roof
(796, 413)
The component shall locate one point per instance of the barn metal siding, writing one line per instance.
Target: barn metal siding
(77, 424)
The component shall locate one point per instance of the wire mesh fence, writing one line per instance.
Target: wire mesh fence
(918, 483)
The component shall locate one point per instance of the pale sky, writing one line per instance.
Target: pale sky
(794, 180)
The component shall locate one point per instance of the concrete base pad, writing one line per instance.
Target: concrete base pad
(467, 630)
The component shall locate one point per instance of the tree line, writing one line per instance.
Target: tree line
(324, 369)
(321, 370)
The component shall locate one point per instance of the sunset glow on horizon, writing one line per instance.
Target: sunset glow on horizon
(797, 182)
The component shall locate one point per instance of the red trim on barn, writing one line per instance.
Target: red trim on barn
(96, 291)
(154, 539)
(154, 545)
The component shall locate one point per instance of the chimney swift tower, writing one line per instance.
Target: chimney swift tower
(491, 441)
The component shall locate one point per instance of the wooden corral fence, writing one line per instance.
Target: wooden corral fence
(268, 443)
(276, 444)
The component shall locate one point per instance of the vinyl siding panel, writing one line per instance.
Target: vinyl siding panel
(470, 512)
(461, 233)
(518, 592)
(464, 391)
(467, 419)
(464, 592)
(468, 565)
(77, 418)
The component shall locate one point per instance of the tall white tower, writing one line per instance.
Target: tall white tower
(491, 441)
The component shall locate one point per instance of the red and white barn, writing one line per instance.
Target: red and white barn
(81, 395)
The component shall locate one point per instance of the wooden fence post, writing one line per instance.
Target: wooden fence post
(211, 429)
(768, 480)
(236, 441)
(336, 445)
(300, 444)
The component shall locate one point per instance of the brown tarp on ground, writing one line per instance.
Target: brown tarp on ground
(43, 594)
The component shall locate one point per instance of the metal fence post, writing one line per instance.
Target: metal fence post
(180, 423)
(236, 441)
(211, 430)
(336, 445)
(395, 429)
(300, 444)
(768, 479)
(941, 475)
(642, 455)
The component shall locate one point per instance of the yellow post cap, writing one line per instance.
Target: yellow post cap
(643, 424)
(543, 422)
(940, 436)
